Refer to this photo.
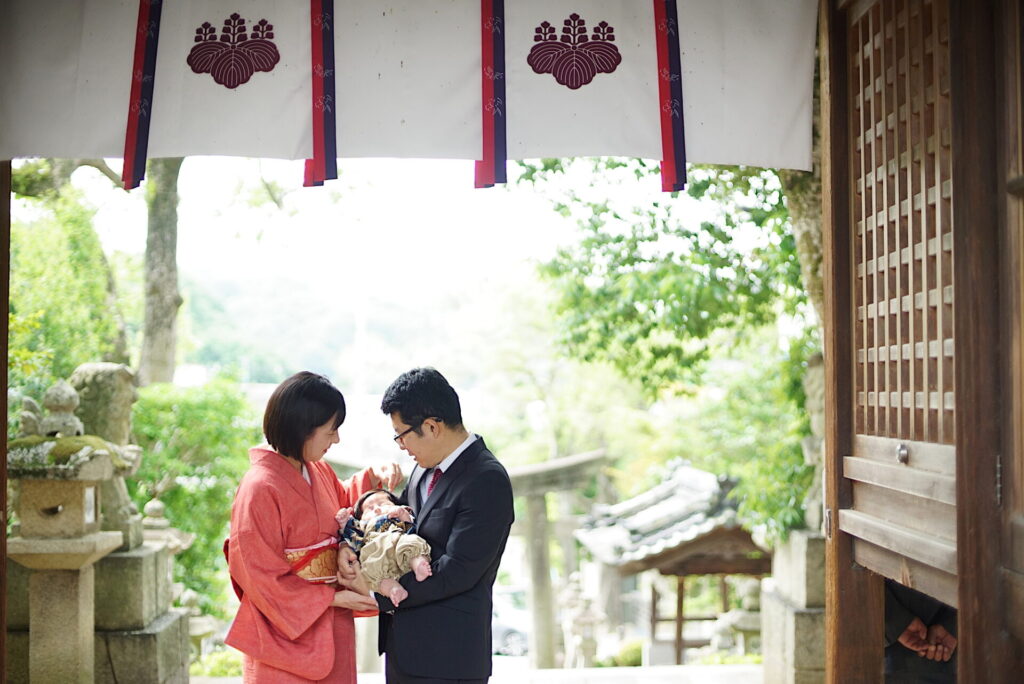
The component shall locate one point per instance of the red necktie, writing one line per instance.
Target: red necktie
(433, 480)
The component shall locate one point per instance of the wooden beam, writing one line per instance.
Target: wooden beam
(680, 616)
(986, 653)
(936, 458)
(907, 571)
(854, 600)
(902, 478)
(712, 565)
(5, 269)
(932, 551)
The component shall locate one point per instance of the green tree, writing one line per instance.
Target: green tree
(195, 443)
(658, 288)
(61, 310)
(646, 285)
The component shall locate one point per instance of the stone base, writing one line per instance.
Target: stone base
(158, 654)
(793, 612)
(792, 639)
(133, 587)
(16, 655)
(798, 569)
(17, 596)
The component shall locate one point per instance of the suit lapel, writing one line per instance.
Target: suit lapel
(413, 489)
(465, 459)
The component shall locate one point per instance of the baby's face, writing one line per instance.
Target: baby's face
(375, 504)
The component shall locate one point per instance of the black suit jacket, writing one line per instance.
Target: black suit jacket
(443, 628)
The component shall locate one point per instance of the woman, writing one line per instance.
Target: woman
(290, 629)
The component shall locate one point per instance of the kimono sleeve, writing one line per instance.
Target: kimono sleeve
(351, 489)
(288, 602)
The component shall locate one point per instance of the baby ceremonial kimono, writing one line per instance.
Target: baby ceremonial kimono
(386, 547)
(286, 622)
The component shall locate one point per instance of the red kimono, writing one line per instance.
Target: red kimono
(285, 625)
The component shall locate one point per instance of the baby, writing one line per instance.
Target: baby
(381, 533)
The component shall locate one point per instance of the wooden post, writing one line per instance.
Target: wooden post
(723, 590)
(542, 646)
(986, 652)
(680, 617)
(654, 613)
(854, 610)
(5, 268)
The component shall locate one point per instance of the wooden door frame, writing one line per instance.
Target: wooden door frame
(975, 45)
(854, 607)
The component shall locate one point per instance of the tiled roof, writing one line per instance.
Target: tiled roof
(687, 505)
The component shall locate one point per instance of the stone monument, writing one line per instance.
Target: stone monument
(740, 628)
(60, 539)
(793, 598)
(138, 636)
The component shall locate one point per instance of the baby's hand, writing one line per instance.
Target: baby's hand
(342, 516)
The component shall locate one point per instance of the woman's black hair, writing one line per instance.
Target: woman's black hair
(298, 406)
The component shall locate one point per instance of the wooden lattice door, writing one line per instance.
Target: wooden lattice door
(923, 207)
(902, 465)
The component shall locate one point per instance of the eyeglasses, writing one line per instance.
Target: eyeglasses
(403, 433)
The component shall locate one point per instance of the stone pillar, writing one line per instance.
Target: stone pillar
(568, 524)
(58, 543)
(542, 652)
(793, 612)
(60, 612)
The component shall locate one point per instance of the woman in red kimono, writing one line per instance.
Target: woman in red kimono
(288, 628)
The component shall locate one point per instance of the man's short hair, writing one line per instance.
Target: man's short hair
(298, 406)
(420, 394)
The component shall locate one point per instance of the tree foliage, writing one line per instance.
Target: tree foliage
(61, 314)
(665, 288)
(195, 443)
(648, 283)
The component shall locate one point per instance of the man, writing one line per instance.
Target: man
(920, 637)
(462, 500)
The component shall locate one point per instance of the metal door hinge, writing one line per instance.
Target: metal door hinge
(828, 523)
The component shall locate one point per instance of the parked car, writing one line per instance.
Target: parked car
(510, 629)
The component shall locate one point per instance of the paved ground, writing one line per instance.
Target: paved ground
(513, 674)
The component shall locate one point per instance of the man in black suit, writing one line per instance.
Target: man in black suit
(462, 499)
(920, 637)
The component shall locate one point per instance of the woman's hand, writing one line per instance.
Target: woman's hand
(353, 601)
(388, 475)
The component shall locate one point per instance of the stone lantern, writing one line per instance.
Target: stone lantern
(60, 539)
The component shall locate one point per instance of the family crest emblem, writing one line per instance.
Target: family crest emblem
(236, 56)
(574, 59)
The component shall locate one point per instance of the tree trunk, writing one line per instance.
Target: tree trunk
(803, 198)
(159, 340)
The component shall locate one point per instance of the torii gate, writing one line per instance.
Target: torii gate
(534, 482)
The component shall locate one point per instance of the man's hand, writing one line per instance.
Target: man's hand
(943, 641)
(915, 637)
(348, 564)
(388, 475)
(403, 513)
